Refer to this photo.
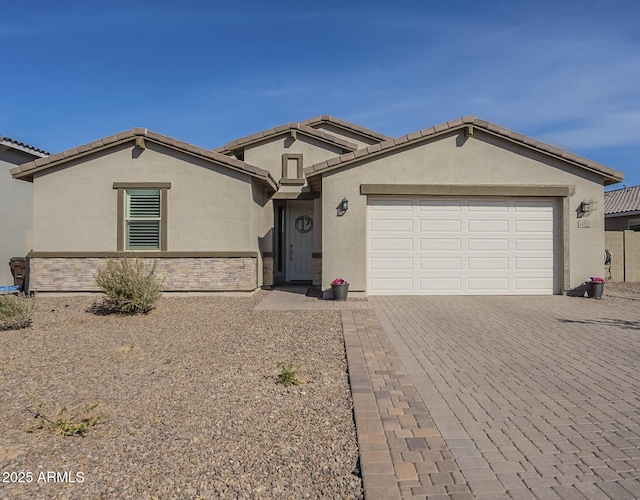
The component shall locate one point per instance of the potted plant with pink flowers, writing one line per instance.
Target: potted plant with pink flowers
(595, 287)
(339, 289)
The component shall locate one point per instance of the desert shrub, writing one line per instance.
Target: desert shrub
(288, 375)
(64, 422)
(16, 311)
(129, 285)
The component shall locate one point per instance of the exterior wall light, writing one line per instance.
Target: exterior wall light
(344, 205)
(586, 207)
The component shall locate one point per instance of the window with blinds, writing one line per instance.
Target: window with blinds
(143, 219)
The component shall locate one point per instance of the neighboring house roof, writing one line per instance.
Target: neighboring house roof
(469, 122)
(26, 170)
(289, 128)
(345, 125)
(622, 201)
(21, 146)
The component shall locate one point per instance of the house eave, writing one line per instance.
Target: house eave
(291, 129)
(8, 143)
(610, 176)
(27, 171)
(622, 214)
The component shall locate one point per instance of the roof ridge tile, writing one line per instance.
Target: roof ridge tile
(316, 120)
(23, 146)
(272, 132)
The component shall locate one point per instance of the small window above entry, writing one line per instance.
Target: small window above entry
(292, 169)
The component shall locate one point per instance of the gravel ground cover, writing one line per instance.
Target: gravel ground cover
(629, 287)
(190, 401)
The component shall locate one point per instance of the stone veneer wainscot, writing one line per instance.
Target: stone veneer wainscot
(183, 274)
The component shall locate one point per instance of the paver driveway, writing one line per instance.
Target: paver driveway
(497, 397)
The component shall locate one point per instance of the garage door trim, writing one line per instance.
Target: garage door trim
(509, 190)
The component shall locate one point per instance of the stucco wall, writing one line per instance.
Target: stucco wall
(16, 213)
(210, 208)
(262, 226)
(268, 154)
(452, 160)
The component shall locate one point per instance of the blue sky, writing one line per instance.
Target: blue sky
(207, 72)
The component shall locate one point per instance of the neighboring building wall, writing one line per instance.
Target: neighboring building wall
(451, 160)
(16, 212)
(619, 223)
(614, 242)
(625, 250)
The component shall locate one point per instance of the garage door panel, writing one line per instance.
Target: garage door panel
(389, 285)
(533, 206)
(488, 206)
(395, 205)
(493, 284)
(442, 285)
(493, 263)
(523, 263)
(441, 263)
(440, 244)
(534, 226)
(492, 244)
(440, 226)
(394, 263)
(534, 284)
(535, 245)
(392, 225)
(461, 246)
(397, 244)
(488, 226)
(453, 206)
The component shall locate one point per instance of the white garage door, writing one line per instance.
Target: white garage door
(475, 246)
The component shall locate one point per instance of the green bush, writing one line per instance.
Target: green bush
(65, 423)
(288, 375)
(129, 285)
(16, 311)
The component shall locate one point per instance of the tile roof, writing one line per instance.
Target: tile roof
(12, 143)
(611, 176)
(372, 134)
(285, 129)
(623, 200)
(26, 170)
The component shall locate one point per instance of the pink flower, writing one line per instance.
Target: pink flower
(339, 281)
(596, 279)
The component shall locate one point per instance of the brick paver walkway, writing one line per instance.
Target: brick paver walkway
(493, 397)
(497, 397)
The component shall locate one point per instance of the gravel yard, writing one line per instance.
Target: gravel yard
(190, 400)
(632, 287)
